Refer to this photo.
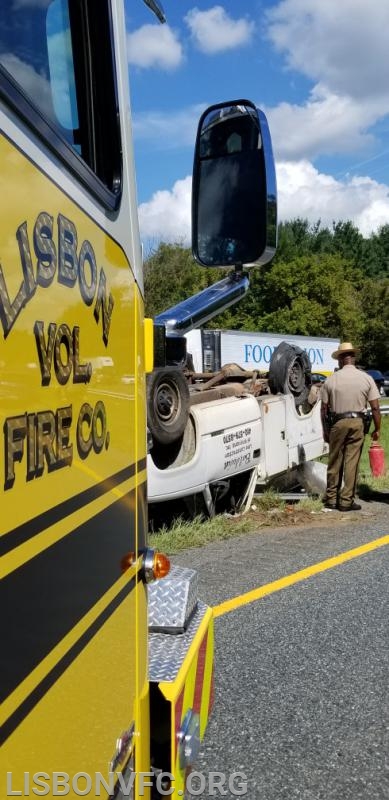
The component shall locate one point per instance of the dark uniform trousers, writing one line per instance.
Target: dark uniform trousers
(345, 448)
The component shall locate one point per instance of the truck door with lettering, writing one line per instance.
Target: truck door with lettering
(72, 461)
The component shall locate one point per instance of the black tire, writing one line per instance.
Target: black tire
(290, 372)
(167, 404)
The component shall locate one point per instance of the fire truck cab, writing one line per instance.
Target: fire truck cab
(105, 678)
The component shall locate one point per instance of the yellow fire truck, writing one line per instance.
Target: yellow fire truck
(106, 677)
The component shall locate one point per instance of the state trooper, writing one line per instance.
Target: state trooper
(345, 396)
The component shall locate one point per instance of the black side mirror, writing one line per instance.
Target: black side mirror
(234, 200)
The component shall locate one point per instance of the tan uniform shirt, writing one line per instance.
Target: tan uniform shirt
(349, 389)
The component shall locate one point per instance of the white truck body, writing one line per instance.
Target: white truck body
(211, 349)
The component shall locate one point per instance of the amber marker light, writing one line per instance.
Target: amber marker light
(161, 565)
(154, 564)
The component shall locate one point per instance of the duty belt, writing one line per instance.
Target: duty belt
(349, 415)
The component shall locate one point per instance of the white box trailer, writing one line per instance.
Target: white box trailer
(211, 349)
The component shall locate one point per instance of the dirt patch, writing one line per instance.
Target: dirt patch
(292, 516)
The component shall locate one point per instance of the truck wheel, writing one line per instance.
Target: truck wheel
(290, 372)
(167, 404)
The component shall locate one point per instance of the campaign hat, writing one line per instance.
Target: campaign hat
(345, 348)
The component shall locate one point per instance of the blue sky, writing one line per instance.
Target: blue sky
(318, 68)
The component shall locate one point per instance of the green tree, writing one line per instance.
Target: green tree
(170, 275)
(294, 239)
(377, 265)
(375, 339)
(348, 241)
(322, 282)
(315, 295)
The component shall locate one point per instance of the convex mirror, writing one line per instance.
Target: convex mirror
(234, 200)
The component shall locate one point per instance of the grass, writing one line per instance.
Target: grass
(269, 501)
(267, 509)
(198, 532)
(367, 485)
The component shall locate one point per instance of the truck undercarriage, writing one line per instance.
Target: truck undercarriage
(240, 428)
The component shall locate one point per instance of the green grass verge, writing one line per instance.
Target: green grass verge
(198, 532)
(267, 509)
(367, 485)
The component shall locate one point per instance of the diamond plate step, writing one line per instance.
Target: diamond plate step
(167, 653)
(173, 600)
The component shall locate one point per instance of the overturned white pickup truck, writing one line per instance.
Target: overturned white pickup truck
(241, 428)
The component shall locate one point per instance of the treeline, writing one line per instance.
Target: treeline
(322, 282)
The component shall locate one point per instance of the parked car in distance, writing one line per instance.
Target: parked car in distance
(381, 381)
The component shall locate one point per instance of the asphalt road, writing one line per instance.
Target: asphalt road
(302, 675)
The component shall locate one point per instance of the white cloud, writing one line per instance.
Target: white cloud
(327, 123)
(302, 192)
(167, 216)
(168, 130)
(214, 30)
(342, 43)
(342, 48)
(35, 85)
(305, 192)
(154, 46)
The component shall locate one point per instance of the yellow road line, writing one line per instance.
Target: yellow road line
(296, 577)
